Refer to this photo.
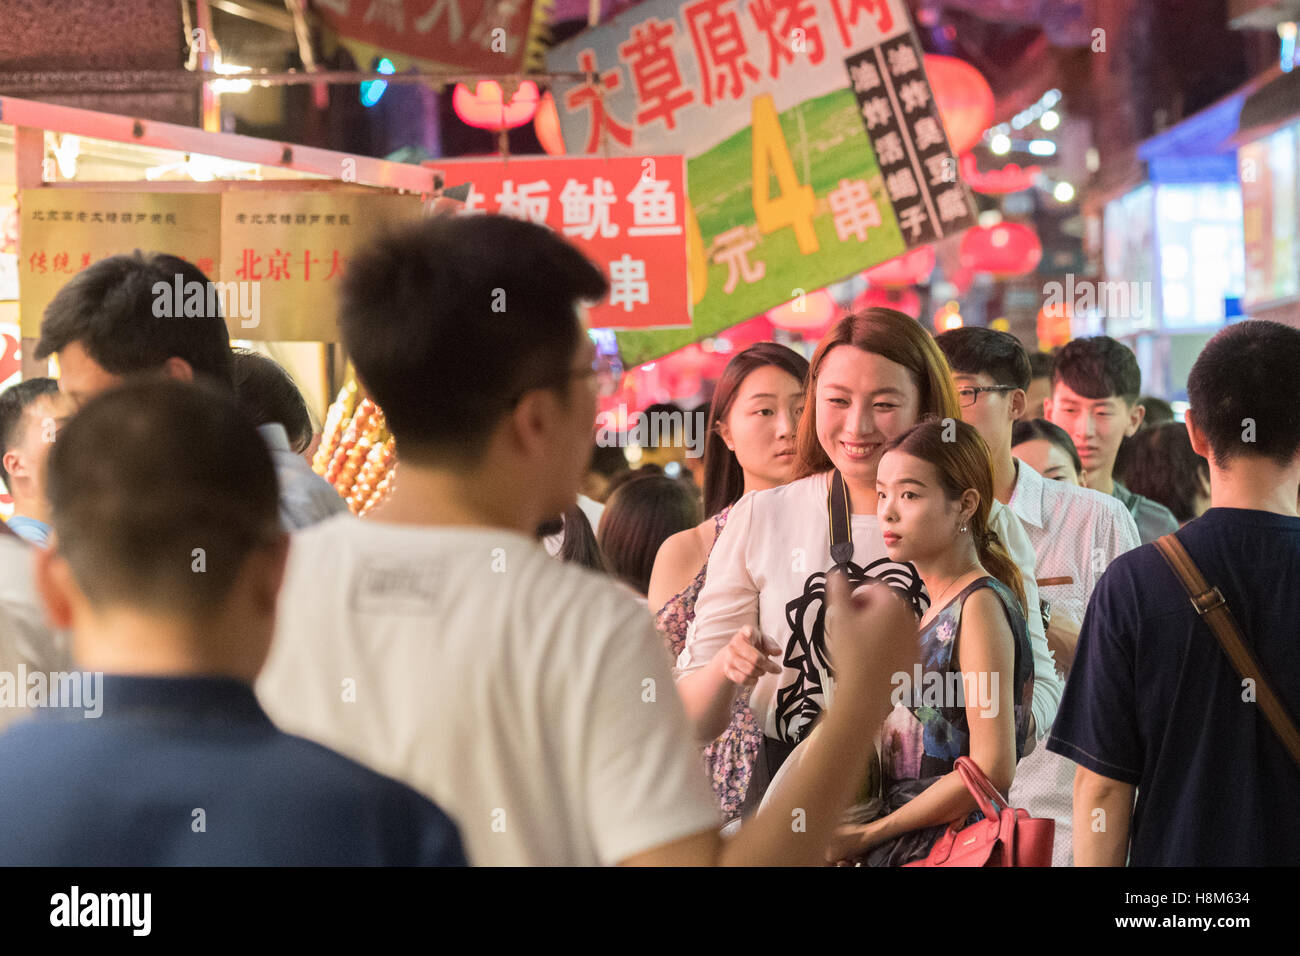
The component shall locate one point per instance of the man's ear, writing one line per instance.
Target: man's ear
(56, 586)
(268, 567)
(1135, 416)
(533, 421)
(1047, 409)
(1200, 444)
(178, 369)
(1019, 402)
(13, 463)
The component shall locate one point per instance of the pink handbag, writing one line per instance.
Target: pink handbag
(1008, 837)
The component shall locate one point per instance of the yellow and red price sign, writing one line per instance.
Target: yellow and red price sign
(813, 145)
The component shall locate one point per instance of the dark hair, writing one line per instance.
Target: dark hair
(1098, 367)
(607, 460)
(14, 401)
(965, 463)
(580, 546)
(1033, 428)
(269, 396)
(111, 309)
(671, 417)
(1040, 365)
(1158, 411)
(639, 517)
(972, 350)
(894, 336)
(451, 321)
(724, 480)
(631, 474)
(1163, 467)
(1239, 382)
(149, 479)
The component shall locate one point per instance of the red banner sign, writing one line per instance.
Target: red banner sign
(474, 34)
(628, 214)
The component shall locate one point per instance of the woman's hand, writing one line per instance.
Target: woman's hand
(742, 662)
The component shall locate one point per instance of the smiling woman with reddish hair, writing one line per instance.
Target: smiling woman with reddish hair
(759, 617)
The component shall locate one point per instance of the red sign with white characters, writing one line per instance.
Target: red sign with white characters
(628, 214)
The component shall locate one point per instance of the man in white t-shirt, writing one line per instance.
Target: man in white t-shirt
(437, 642)
(27, 644)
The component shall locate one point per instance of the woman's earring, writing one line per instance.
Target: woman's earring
(962, 529)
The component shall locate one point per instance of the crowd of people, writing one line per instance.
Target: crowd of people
(530, 654)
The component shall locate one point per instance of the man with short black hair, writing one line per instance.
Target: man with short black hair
(1153, 704)
(1074, 533)
(273, 402)
(990, 371)
(1040, 384)
(30, 415)
(1095, 387)
(166, 568)
(106, 324)
(437, 640)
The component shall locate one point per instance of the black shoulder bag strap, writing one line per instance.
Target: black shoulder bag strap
(837, 510)
(1213, 610)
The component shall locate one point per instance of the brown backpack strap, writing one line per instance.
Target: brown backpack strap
(1213, 609)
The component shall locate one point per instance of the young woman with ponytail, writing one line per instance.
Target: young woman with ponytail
(971, 693)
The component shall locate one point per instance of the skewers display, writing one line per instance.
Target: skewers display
(357, 453)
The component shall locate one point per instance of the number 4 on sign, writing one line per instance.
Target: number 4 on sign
(796, 204)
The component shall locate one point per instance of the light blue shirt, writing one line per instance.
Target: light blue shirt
(30, 530)
(305, 497)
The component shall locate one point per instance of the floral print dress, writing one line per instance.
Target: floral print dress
(729, 759)
(927, 731)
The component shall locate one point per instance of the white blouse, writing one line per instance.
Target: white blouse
(768, 570)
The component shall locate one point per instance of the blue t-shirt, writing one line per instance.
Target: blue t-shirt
(1153, 700)
(191, 772)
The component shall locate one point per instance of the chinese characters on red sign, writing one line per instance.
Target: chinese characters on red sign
(627, 214)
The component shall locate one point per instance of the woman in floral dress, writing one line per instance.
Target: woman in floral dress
(750, 446)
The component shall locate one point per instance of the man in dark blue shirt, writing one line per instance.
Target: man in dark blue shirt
(166, 567)
(1153, 702)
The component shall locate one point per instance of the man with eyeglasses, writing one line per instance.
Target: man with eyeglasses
(1073, 534)
(437, 642)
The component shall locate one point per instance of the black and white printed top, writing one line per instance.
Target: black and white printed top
(768, 569)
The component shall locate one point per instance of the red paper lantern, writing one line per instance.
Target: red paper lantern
(807, 313)
(961, 279)
(547, 125)
(1007, 249)
(964, 98)
(739, 337)
(485, 108)
(908, 269)
(905, 301)
(1011, 178)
